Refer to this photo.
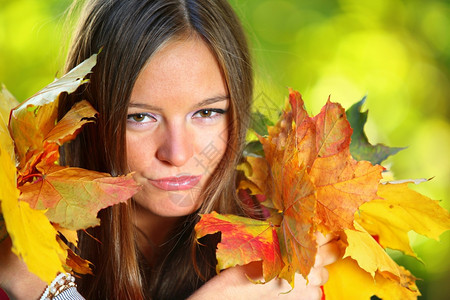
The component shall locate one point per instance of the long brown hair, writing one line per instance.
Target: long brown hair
(128, 34)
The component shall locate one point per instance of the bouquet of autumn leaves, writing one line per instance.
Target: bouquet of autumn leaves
(302, 174)
(310, 174)
(42, 202)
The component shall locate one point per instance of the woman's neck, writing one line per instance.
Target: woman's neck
(152, 231)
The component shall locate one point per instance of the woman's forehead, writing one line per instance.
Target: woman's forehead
(184, 68)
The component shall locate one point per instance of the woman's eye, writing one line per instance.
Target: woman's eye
(140, 118)
(209, 113)
(205, 113)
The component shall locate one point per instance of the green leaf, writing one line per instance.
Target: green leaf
(360, 148)
(254, 148)
(259, 123)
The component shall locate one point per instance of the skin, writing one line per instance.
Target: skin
(169, 127)
(239, 287)
(167, 132)
(15, 279)
(176, 126)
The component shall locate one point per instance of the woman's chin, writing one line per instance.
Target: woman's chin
(170, 203)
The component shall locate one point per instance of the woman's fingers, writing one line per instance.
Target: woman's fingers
(327, 254)
(324, 239)
(318, 276)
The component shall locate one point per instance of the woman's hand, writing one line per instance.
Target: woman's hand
(15, 279)
(234, 284)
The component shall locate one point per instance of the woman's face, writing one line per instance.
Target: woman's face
(177, 127)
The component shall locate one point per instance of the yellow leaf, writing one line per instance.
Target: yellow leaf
(348, 281)
(7, 102)
(70, 235)
(7, 162)
(33, 237)
(400, 211)
(370, 256)
(257, 174)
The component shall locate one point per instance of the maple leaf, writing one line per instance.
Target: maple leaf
(74, 262)
(314, 179)
(61, 198)
(309, 179)
(73, 196)
(360, 147)
(244, 240)
(70, 235)
(33, 237)
(343, 184)
(7, 159)
(399, 211)
(70, 125)
(32, 121)
(363, 248)
(322, 147)
(348, 281)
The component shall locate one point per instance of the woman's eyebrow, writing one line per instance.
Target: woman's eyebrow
(145, 106)
(211, 101)
(198, 105)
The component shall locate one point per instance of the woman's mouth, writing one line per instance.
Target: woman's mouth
(178, 183)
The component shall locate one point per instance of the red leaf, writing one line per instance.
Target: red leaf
(243, 240)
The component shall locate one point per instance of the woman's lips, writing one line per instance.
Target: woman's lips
(179, 183)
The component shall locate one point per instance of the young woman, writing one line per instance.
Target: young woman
(173, 86)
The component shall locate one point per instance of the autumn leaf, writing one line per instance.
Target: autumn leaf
(364, 249)
(360, 147)
(74, 262)
(33, 237)
(309, 179)
(348, 281)
(73, 196)
(314, 180)
(322, 147)
(48, 149)
(62, 199)
(343, 184)
(259, 123)
(32, 121)
(70, 125)
(7, 102)
(244, 240)
(7, 159)
(70, 236)
(399, 211)
(256, 171)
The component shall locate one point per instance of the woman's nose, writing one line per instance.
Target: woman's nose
(176, 148)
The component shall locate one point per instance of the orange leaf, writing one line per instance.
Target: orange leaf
(310, 181)
(69, 126)
(35, 118)
(289, 187)
(343, 184)
(243, 240)
(313, 179)
(75, 262)
(296, 231)
(73, 196)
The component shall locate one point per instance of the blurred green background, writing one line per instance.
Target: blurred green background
(395, 52)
